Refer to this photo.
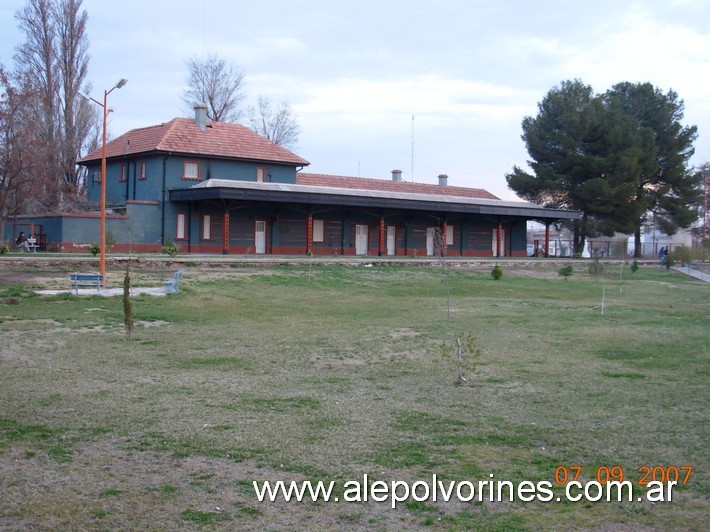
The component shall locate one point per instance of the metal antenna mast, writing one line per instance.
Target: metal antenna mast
(412, 175)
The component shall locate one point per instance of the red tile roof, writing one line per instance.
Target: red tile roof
(387, 185)
(183, 135)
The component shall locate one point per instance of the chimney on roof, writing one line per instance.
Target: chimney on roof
(443, 180)
(396, 175)
(201, 116)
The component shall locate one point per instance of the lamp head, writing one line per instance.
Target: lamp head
(121, 83)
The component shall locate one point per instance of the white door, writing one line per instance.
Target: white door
(360, 240)
(260, 236)
(391, 241)
(430, 232)
(495, 242)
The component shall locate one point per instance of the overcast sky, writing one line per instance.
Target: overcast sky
(355, 72)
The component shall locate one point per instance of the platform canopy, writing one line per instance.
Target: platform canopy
(283, 193)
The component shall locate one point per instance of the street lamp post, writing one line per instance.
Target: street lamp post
(102, 214)
(706, 177)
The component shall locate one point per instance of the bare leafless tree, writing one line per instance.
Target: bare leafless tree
(37, 61)
(216, 84)
(18, 146)
(77, 116)
(440, 254)
(276, 123)
(54, 57)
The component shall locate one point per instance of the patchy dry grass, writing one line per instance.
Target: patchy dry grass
(329, 373)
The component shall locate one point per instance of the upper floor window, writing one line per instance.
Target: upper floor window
(191, 170)
(96, 176)
(123, 176)
(260, 174)
(141, 174)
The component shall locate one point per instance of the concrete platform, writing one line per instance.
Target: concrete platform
(106, 292)
(693, 272)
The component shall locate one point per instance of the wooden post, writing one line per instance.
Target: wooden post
(309, 234)
(547, 239)
(380, 243)
(444, 245)
(225, 233)
(499, 238)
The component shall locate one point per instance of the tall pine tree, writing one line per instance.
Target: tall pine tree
(567, 143)
(665, 186)
(615, 158)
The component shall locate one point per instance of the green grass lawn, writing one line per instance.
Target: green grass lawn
(333, 372)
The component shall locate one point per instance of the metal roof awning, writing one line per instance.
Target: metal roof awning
(284, 193)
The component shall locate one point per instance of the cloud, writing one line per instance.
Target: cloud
(646, 49)
(364, 101)
(280, 44)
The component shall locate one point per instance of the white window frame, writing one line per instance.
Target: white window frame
(206, 227)
(318, 230)
(260, 174)
(181, 226)
(187, 168)
(449, 235)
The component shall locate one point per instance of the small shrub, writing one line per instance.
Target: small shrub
(463, 352)
(94, 249)
(565, 271)
(683, 255)
(4, 248)
(668, 261)
(496, 272)
(110, 241)
(127, 305)
(634, 266)
(171, 248)
(596, 267)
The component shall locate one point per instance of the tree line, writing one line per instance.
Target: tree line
(620, 158)
(46, 125)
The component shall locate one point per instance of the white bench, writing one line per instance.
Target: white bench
(172, 286)
(32, 243)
